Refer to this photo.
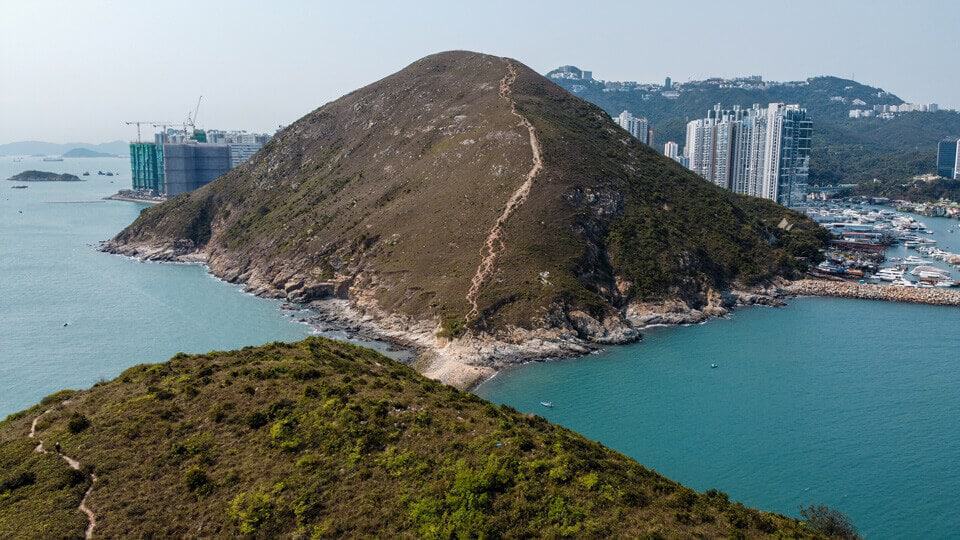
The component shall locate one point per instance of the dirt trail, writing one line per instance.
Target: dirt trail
(75, 465)
(495, 244)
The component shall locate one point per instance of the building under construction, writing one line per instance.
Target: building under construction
(175, 164)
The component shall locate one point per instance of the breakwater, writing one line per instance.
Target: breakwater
(891, 293)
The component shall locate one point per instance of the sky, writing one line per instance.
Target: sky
(74, 71)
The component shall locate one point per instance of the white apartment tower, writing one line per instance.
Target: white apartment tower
(759, 152)
(639, 127)
(671, 150)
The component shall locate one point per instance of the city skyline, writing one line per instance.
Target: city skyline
(264, 66)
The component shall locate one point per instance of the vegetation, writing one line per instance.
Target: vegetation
(829, 522)
(43, 176)
(404, 213)
(325, 439)
(912, 190)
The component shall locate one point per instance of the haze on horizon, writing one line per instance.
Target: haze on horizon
(74, 71)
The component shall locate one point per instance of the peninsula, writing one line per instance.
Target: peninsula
(43, 176)
(470, 208)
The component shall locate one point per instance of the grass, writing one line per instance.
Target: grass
(397, 185)
(324, 439)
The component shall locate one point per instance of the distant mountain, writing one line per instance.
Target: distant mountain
(34, 148)
(86, 153)
(468, 197)
(844, 149)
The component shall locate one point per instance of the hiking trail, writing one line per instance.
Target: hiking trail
(75, 465)
(494, 244)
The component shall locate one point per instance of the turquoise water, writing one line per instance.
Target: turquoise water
(120, 312)
(854, 404)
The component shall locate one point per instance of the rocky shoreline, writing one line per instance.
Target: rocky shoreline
(348, 306)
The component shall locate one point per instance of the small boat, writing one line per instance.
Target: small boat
(86, 173)
(714, 366)
(52, 159)
(547, 404)
(19, 187)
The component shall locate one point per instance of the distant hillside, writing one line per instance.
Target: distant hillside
(322, 439)
(468, 196)
(844, 149)
(32, 148)
(85, 153)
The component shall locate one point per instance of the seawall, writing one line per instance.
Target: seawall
(890, 293)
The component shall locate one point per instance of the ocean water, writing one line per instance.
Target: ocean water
(119, 312)
(850, 403)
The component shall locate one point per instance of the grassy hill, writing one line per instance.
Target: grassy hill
(324, 439)
(392, 195)
(844, 149)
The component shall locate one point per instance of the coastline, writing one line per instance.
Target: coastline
(468, 361)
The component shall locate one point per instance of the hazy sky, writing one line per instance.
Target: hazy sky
(75, 70)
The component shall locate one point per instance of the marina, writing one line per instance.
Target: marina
(879, 245)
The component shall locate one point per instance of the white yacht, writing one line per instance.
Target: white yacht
(889, 274)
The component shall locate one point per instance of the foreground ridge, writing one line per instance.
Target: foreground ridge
(325, 439)
(494, 243)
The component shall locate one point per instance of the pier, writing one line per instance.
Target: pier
(891, 293)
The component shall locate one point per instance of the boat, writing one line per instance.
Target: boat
(889, 274)
(913, 260)
(19, 187)
(86, 173)
(53, 159)
(547, 404)
(714, 366)
(904, 283)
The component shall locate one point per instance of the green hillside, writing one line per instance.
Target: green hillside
(324, 439)
(405, 197)
(845, 150)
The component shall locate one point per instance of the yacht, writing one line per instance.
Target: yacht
(547, 404)
(889, 274)
(913, 260)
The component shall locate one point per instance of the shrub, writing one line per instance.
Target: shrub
(829, 522)
(197, 481)
(252, 511)
(77, 423)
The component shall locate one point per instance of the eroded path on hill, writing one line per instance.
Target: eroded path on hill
(494, 244)
(75, 465)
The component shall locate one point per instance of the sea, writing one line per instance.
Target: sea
(71, 315)
(850, 403)
(853, 404)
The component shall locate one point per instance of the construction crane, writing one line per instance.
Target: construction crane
(191, 121)
(196, 110)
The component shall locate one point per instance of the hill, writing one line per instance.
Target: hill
(86, 153)
(43, 176)
(324, 439)
(466, 197)
(844, 149)
(40, 148)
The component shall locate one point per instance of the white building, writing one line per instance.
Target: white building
(639, 127)
(671, 149)
(763, 152)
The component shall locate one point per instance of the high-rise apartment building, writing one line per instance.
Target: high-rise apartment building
(639, 127)
(671, 149)
(759, 152)
(948, 158)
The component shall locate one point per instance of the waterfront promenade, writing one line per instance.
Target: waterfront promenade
(892, 293)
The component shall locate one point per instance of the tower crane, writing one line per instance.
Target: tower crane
(153, 123)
